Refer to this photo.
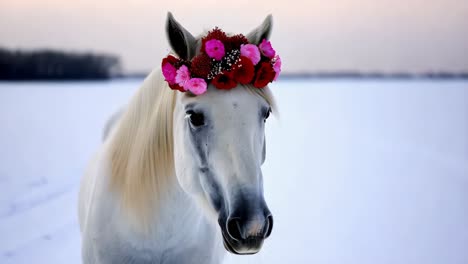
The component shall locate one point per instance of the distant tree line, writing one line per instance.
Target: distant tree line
(376, 75)
(56, 65)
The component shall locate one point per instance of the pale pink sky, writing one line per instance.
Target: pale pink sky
(326, 35)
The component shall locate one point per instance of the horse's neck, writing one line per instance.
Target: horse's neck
(177, 219)
(176, 204)
(185, 231)
(179, 231)
(179, 215)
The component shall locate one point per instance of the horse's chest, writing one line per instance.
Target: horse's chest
(185, 253)
(195, 243)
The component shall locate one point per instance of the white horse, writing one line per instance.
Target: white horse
(179, 176)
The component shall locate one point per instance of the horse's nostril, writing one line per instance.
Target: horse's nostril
(234, 228)
(268, 226)
(239, 230)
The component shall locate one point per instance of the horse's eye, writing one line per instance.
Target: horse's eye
(267, 114)
(196, 119)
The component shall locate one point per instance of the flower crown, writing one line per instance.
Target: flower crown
(224, 61)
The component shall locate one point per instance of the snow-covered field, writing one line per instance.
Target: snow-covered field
(357, 172)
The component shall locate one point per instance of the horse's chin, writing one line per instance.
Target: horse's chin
(249, 247)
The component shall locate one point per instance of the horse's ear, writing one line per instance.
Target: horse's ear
(261, 32)
(181, 41)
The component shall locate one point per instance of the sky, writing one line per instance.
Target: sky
(327, 35)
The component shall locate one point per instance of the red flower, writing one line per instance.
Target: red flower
(235, 42)
(224, 81)
(177, 87)
(216, 33)
(244, 70)
(171, 59)
(265, 74)
(201, 66)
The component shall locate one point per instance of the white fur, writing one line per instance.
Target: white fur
(183, 233)
(182, 225)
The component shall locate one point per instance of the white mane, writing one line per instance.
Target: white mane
(141, 148)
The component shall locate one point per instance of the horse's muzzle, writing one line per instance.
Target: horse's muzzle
(245, 236)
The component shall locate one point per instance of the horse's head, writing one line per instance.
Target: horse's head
(219, 147)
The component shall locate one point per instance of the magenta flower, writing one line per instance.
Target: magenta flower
(196, 85)
(266, 49)
(183, 75)
(250, 51)
(169, 72)
(277, 66)
(215, 49)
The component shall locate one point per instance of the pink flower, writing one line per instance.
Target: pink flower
(215, 49)
(196, 85)
(277, 66)
(266, 49)
(183, 75)
(250, 51)
(169, 72)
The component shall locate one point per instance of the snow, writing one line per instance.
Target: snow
(357, 172)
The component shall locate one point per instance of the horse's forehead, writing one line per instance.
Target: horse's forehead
(235, 99)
